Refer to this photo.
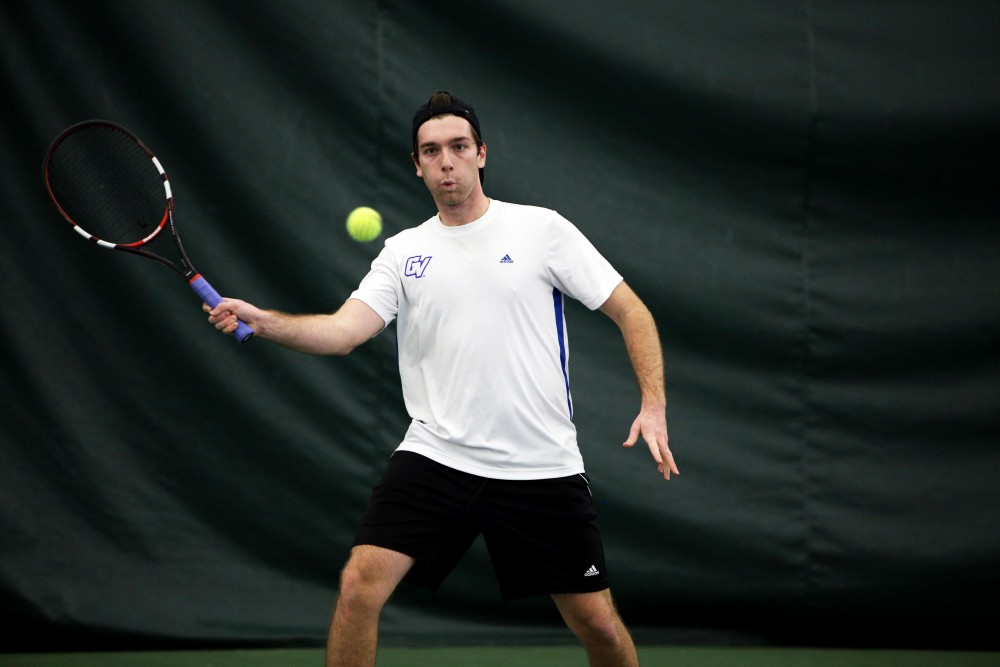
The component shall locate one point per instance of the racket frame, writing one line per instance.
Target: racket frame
(186, 270)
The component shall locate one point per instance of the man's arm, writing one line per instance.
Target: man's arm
(335, 333)
(643, 344)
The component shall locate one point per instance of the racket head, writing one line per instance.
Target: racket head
(106, 183)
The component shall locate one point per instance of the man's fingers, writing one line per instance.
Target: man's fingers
(667, 465)
(224, 320)
(633, 435)
(661, 454)
(656, 439)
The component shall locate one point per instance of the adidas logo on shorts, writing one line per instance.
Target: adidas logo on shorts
(592, 572)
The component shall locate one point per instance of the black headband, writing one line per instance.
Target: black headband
(457, 107)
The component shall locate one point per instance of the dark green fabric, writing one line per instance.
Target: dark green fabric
(804, 193)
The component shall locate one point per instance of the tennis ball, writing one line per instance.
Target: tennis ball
(364, 224)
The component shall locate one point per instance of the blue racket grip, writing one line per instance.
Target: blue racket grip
(211, 297)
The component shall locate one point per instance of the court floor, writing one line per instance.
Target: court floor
(549, 656)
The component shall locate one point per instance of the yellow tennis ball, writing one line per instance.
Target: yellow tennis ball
(364, 224)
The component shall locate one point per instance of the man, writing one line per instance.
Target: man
(477, 294)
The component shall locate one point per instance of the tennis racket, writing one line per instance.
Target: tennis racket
(112, 189)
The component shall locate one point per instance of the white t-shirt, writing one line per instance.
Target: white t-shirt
(483, 349)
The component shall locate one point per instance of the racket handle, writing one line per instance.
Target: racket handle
(212, 298)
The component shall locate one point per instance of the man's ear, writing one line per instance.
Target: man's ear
(416, 163)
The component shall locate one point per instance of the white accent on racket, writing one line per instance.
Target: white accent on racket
(104, 244)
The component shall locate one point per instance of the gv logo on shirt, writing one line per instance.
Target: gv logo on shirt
(416, 265)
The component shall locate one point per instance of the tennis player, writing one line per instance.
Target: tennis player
(477, 293)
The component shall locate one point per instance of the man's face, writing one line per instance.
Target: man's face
(447, 159)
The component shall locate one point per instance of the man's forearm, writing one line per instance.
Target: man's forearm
(311, 334)
(642, 340)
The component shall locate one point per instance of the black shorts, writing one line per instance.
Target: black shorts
(541, 535)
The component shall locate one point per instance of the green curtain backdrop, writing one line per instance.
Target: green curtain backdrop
(805, 193)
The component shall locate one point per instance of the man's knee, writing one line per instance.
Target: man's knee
(600, 628)
(592, 617)
(370, 576)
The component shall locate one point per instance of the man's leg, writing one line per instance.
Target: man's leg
(594, 620)
(369, 578)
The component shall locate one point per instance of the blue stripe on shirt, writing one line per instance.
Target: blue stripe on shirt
(557, 301)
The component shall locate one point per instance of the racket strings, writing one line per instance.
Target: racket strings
(108, 185)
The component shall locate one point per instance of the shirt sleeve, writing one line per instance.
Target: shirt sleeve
(576, 267)
(381, 288)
